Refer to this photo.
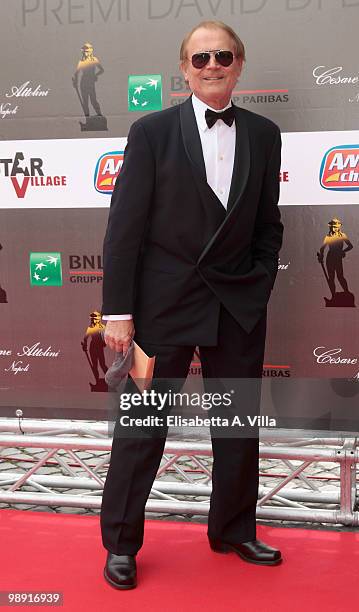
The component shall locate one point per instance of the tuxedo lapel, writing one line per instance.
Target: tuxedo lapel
(241, 161)
(193, 148)
(191, 139)
(239, 177)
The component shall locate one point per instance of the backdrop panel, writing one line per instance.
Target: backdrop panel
(75, 75)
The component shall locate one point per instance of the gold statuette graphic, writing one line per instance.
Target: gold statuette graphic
(84, 81)
(338, 244)
(95, 353)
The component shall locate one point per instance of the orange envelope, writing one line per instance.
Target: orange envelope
(142, 369)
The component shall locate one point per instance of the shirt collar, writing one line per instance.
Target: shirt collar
(200, 108)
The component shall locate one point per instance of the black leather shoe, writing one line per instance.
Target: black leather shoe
(120, 571)
(254, 552)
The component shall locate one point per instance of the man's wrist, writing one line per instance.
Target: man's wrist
(122, 317)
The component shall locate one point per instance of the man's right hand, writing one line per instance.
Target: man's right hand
(118, 335)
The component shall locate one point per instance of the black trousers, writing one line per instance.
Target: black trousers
(135, 461)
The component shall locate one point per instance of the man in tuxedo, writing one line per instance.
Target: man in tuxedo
(190, 258)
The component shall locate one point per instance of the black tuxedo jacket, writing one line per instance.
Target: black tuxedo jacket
(172, 253)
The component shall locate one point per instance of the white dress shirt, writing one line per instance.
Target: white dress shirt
(218, 146)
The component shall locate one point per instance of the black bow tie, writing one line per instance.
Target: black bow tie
(227, 116)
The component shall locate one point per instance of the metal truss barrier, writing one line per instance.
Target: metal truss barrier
(78, 452)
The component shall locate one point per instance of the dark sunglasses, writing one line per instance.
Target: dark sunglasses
(224, 58)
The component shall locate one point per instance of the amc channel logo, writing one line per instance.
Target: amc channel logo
(107, 169)
(340, 168)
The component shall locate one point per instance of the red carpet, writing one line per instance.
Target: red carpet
(176, 569)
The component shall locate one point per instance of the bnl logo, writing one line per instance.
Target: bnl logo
(340, 168)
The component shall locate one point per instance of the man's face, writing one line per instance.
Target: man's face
(214, 83)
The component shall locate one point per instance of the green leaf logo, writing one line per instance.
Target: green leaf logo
(45, 270)
(145, 92)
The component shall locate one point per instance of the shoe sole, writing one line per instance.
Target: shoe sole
(120, 587)
(228, 549)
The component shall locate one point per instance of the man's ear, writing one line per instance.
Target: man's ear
(240, 67)
(183, 69)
